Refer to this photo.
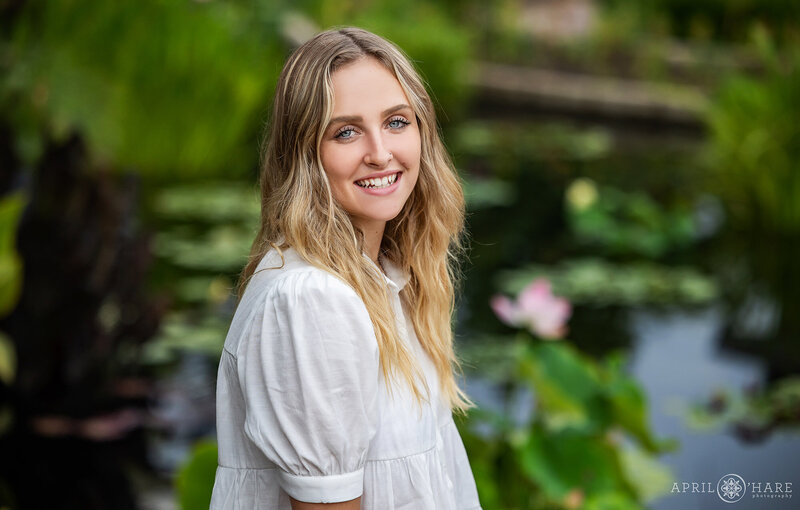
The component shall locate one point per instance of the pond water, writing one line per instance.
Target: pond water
(678, 358)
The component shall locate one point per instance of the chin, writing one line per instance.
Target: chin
(383, 215)
(388, 217)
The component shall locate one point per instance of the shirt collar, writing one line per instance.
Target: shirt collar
(394, 275)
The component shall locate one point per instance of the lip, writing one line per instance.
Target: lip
(381, 191)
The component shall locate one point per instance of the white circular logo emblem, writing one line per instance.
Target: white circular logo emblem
(731, 488)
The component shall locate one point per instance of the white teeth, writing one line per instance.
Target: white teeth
(378, 183)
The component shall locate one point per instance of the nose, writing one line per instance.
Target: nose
(377, 155)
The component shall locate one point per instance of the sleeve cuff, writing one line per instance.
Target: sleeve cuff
(323, 489)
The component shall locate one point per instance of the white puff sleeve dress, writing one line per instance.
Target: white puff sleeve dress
(303, 409)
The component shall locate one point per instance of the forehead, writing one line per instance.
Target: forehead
(365, 87)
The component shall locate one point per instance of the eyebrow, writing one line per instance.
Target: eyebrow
(358, 118)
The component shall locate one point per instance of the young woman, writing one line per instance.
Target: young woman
(336, 385)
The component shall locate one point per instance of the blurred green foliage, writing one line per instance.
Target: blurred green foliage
(594, 281)
(195, 480)
(10, 262)
(439, 46)
(205, 230)
(614, 222)
(755, 143)
(208, 203)
(8, 365)
(206, 226)
(584, 409)
(221, 248)
(722, 20)
(168, 88)
(485, 192)
(586, 206)
(510, 143)
(10, 288)
(182, 331)
(179, 89)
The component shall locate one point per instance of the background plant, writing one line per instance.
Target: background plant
(755, 144)
(583, 409)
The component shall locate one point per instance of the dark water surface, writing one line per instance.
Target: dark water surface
(678, 359)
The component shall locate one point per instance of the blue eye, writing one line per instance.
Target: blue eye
(403, 122)
(339, 134)
(348, 129)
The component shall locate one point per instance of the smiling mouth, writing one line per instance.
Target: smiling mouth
(383, 182)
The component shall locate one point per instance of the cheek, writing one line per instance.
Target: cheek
(413, 181)
(415, 146)
(336, 166)
(412, 154)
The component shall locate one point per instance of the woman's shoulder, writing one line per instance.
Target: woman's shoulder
(288, 275)
(294, 294)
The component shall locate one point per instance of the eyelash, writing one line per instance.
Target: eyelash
(349, 128)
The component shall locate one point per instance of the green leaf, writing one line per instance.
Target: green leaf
(565, 461)
(649, 478)
(195, 480)
(565, 384)
(11, 207)
(629, 407)
(611, 501)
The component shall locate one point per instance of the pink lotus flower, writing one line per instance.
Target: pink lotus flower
(536, 309)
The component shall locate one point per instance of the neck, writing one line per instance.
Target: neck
(373, 235)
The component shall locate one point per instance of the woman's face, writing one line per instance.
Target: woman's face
(373, 135)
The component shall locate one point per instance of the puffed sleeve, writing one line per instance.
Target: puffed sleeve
(309, 372)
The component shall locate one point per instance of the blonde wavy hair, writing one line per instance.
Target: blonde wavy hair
(299, 210)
